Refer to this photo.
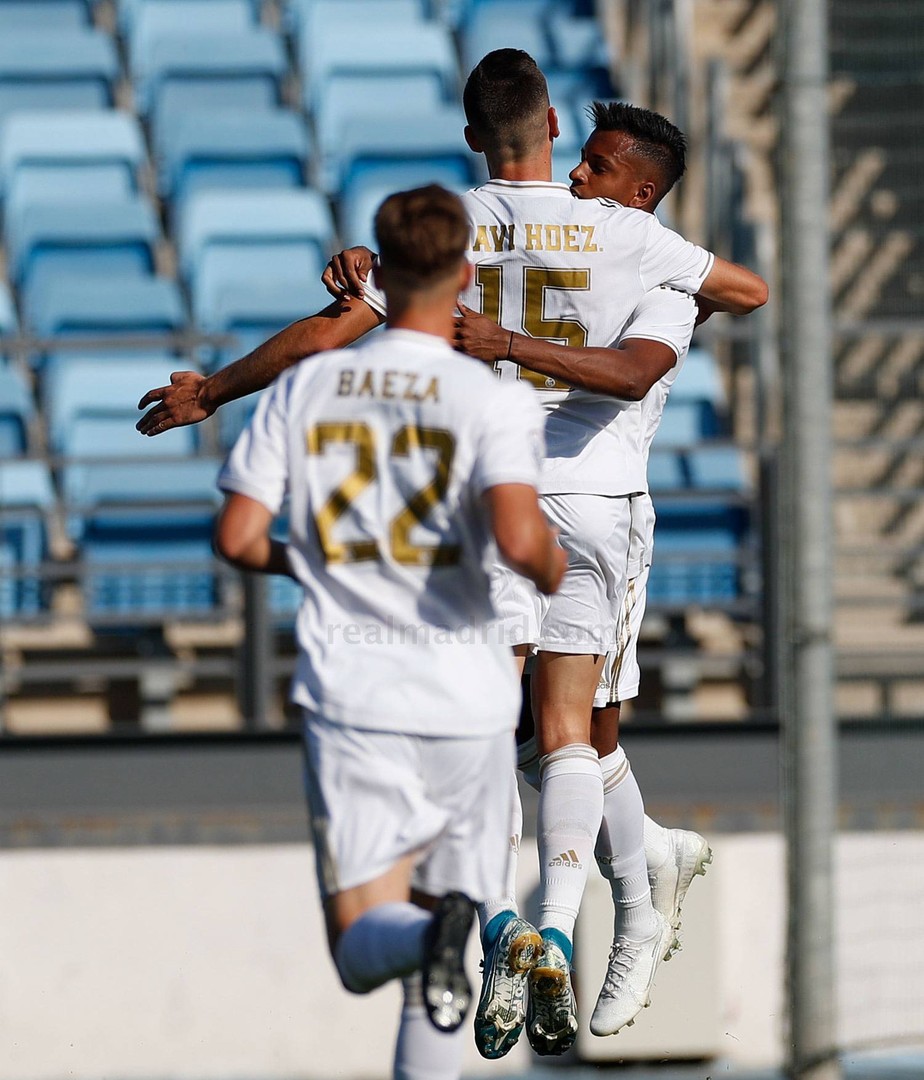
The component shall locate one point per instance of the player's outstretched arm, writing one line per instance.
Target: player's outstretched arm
(192, 397)
(524, 539)
(734, 288)
(626, 371)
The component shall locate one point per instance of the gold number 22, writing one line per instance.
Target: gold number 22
(416, 509)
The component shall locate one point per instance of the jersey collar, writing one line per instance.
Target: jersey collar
(517, 185)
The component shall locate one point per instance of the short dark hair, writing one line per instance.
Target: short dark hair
(654, 136)
(504, 95)
(422, 235)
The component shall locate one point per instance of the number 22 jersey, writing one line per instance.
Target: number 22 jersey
(384, 451)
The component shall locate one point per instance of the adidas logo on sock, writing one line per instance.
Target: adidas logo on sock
(567, 858)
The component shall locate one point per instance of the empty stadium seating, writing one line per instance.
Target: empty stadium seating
(16, 412)
(26, 500)
(58, 68)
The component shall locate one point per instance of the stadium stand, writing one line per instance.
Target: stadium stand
(26, 500)
(16, 412)
(149, 305)
(56, 69)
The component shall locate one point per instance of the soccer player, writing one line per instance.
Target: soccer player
(402, 460)
(634, 156)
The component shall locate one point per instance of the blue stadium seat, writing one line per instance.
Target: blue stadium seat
(217, 71)
(56, 69)
(699, 377)
(104, 240)
(229, 150)
(144, 537)
(90, 406)
(716, 467)
(665, 471)
(154, 20)
(697, 547)
(362, 197)
(125, 306)
(229, 240)
(506, 24)
(367, 97)
(39, 14)
(70, 139)
(686, 423)
(26, 500)
(378, 50)
(16, 412)
(578, 44)
(369, 143)
(129, 10)
(306, 17)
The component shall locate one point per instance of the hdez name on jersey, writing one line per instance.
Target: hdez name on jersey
(553, 237)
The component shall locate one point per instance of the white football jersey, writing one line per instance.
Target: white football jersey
(571, 270)
(384, 451)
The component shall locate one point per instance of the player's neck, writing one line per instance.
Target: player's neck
(439, 324)
(534, 168)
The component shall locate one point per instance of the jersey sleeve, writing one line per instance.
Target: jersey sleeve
(511, 446)
(668, 259)
(258, 463)
(666, 315)
(373, 296)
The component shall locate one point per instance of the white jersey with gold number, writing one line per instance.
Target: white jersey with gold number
(385, 451)
(572, 271)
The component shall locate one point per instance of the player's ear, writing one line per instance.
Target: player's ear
(554, 129)
(474, 143)
(646, 196)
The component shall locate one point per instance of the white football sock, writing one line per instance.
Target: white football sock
(422, 1052)
(657, 844)
(570, 809)
(385, 942)
(507, 902)
(620, 848)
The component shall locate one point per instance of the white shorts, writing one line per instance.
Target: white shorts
(583, 616)
(620, 676)
(376, 796)
(518, 605)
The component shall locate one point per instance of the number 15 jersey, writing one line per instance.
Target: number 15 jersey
(385, 451)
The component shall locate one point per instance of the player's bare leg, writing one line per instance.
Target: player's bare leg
(570, 809)
(377, 934)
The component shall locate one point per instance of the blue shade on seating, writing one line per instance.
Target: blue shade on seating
(307, 17)
(232, 149)
(665, 471)
(128, 11)
(16, 411)
(506, 25)
(699, 378)
(155, 20)
(206, 69)
(716, 467)
(230, 239)
(369, 187)
(26, 499)
(686, 423)
(697, 547)
(89, 238)
(39, 14)
(577, 43)
(52, 68)
(378, 50)
(435, 138)
(70, 138)
(91, 408)
(142, 560)
(120, 305)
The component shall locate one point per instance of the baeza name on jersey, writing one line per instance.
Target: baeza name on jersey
(387, 385)
(535, 238)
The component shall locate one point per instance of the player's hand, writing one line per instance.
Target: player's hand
(177, 405)
(348, 272)
(480, 336)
